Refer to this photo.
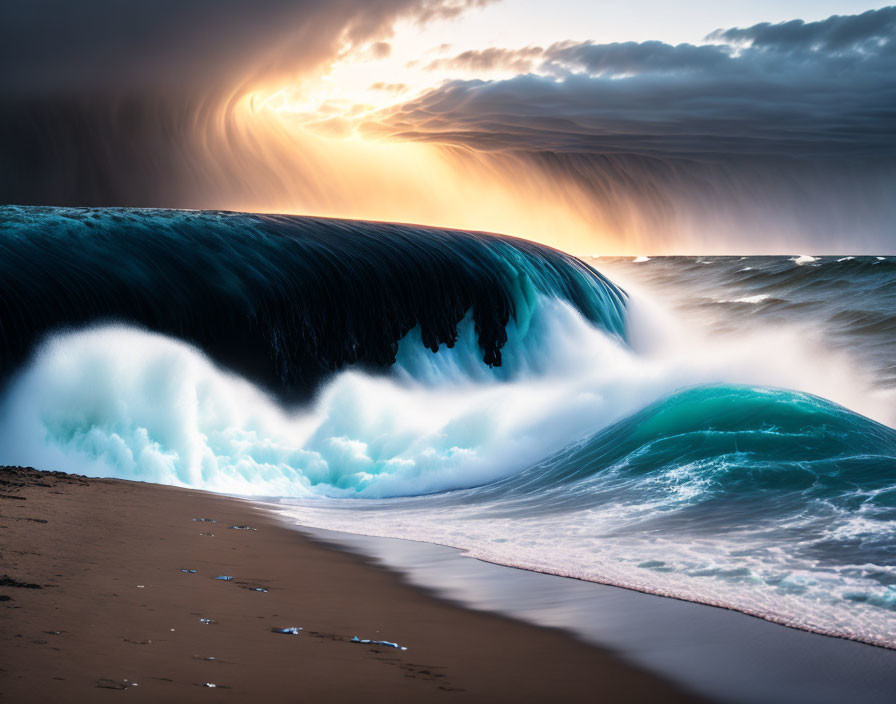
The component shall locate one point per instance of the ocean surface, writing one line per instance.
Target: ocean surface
(717, 429)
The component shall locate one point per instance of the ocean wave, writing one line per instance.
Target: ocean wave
(282, 300)
(472, 390)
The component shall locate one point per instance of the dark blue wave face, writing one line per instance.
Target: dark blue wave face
(283, 300)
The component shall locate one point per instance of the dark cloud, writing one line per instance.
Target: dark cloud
(107, 102)
(813, 116)
(837, 33)
(789, 126)
(839, 42)
(804, 112)
(831, 93)
(628, 58)
(106, 46)
(615, 59)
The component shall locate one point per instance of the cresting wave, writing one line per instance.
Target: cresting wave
(606, 445)
(283, 300)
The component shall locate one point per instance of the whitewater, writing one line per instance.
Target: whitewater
(714, 429)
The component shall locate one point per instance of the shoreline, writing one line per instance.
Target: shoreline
(721, 653)
(98, 602)
(354, 543)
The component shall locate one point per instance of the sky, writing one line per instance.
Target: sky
(607, 127)
(605, 21)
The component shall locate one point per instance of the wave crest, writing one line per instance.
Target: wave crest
(283, 300)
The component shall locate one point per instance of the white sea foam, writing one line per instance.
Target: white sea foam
(118, 401)
(735, 569)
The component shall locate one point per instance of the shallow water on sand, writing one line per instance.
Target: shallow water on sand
(719, 653)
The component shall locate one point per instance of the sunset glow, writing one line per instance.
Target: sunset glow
(589, 128)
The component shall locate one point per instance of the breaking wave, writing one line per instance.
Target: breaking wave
(460, 388)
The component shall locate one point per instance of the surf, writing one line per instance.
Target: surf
(282, 300)
(459, 388)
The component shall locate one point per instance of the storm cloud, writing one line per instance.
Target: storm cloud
(822, 89)
(132, 103)
(837, 33)
(109, 46)
(772, 129)
(763, 137)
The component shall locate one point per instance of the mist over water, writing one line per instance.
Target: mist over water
(836, 308)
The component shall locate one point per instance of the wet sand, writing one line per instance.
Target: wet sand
(93, 604)
(723, 654)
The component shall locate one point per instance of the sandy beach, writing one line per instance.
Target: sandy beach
(95, 602)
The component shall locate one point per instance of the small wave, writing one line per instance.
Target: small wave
(640, 260)
(804, 259)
